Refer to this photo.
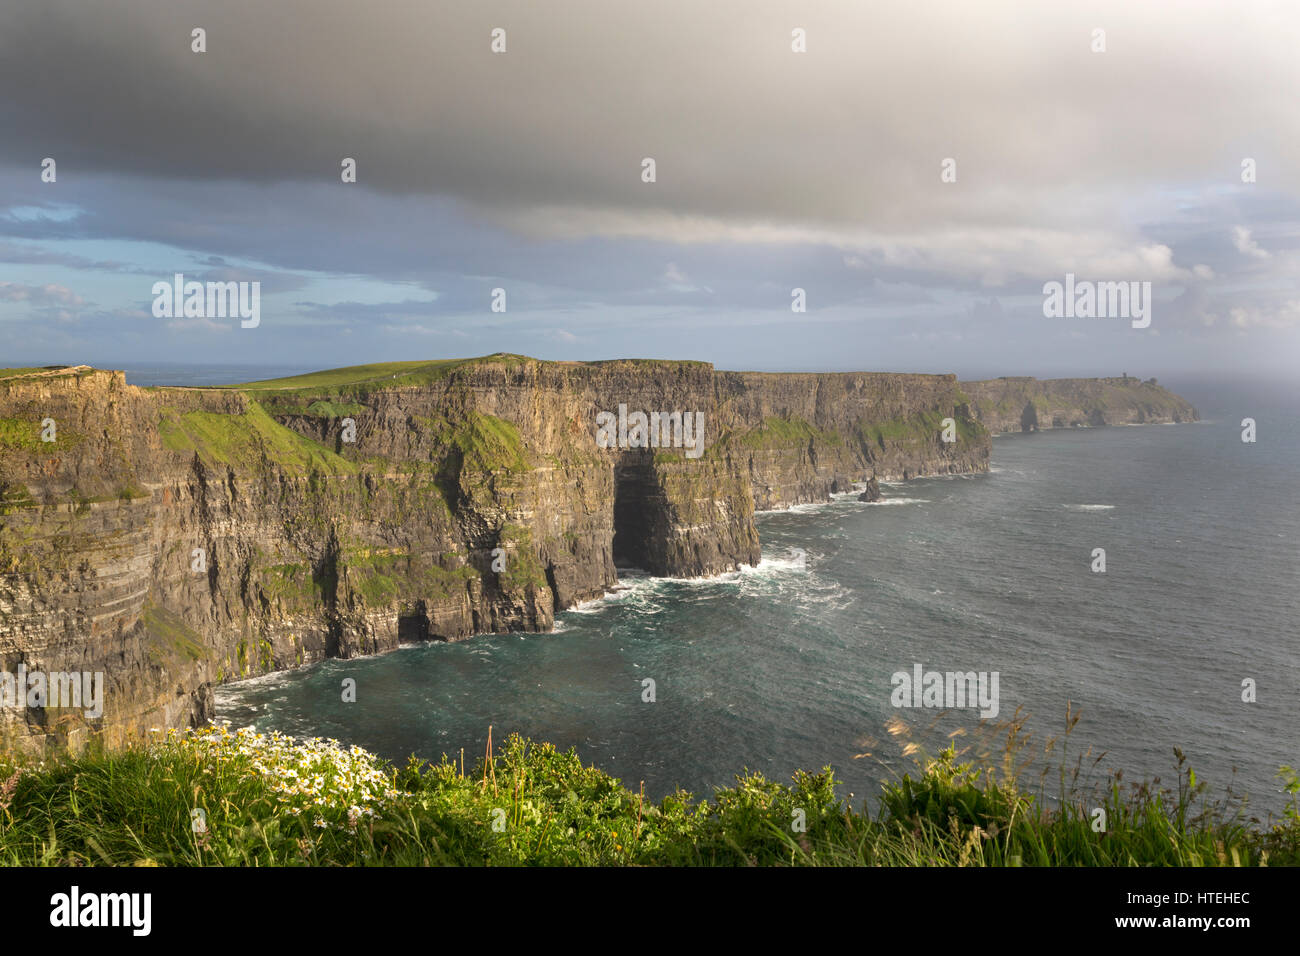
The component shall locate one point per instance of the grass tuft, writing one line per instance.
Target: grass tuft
(264, 799)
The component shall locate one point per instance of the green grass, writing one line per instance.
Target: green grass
(343, 392)
(398, 374)
(378, 589)
(923, 427)
(385, 578)
(779, 432)
(523, 570)
(664, 364)
(267, 800)
(490, 444)
(25, 435)
(247, 440)
(331, 385)
(323, 409)
(290, 584)
(354, 375)
(171, 638)
(478, 444)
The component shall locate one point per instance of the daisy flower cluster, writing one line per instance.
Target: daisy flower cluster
(335, 787)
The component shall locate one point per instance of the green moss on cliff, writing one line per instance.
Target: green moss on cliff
(523, 569)
(323, 409)
(780, 432)
(14, 497)
(246, 440)
(924, 427)
(383, 578)
(378, 589)
(171, 639)
(292, 585)
(375, 574)
(490, 444)
(25, 435)
(477, 443)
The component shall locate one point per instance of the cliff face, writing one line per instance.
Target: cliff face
(1027, 404)
(176, 538)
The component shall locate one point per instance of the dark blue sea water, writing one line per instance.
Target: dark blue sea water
(788, 665)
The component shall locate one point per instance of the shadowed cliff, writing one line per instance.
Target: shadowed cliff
(1028, 404)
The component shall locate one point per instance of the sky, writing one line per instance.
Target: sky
(920, 170)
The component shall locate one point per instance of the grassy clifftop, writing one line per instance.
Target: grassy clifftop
(213, 797)
(245, 439)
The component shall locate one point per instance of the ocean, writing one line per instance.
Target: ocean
(790, 664)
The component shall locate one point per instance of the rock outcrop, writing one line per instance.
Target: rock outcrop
(176, 538)
(1006, 405)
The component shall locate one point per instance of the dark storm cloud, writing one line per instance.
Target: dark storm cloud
(775, 170)
(744, 131)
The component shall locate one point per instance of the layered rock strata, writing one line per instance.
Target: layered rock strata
(177, 538)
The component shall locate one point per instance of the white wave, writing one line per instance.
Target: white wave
(1089, 507)
(270, 677)
(900, 501)
(795, 560)
(592, 605)
(812, 507)
(642, 588)
(809, 507)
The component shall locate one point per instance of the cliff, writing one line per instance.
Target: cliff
(176, 538)
(1027, 404)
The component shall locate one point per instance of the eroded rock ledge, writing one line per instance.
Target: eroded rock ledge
(176, 538)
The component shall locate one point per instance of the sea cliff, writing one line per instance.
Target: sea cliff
(1005, 405)
(176, 538)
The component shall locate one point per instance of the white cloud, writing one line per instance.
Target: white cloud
(1283, 315)
(43, 295)
(1245, 244)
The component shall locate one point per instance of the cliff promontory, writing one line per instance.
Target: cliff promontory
(1028, 404)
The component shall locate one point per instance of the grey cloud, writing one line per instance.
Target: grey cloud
(28, 255)
(742, 129)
